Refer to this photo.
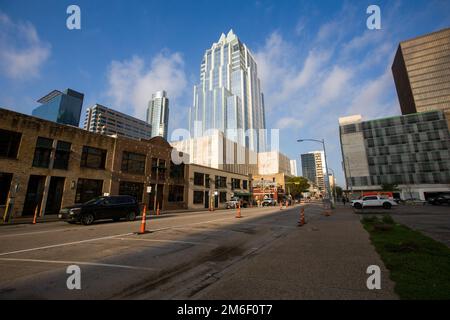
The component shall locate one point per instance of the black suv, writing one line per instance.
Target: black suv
(439, 200)
(111, 207)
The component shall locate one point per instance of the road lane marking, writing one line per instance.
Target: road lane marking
(35, 232)
(164, 240)
(189, 224)
(65, 244)
(95, 264)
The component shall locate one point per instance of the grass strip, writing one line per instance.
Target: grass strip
(419, 265)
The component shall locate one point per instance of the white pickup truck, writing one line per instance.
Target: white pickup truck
(373, 201)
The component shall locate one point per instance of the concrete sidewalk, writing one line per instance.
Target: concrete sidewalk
(325, 259)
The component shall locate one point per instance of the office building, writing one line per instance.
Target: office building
(421, 71)
(61, 107)
(103, 120)
(411, 151)
(313, 168)
(273, 162)
(158, 114)
(228, 97)
(294, 172)
(216, 151)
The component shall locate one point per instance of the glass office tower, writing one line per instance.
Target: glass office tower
(158, 114)
(229, 96)
(61, 107)
(313, 167)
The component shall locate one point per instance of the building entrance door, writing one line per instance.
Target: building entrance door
(55, 193)
(34, 194)
(160, 196)
(206, 199)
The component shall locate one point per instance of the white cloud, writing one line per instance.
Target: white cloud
(289, 123)
(23, 53)
(132, 82)
(335, 82)
(371, 100)
(281, 74)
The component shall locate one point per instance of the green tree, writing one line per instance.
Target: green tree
(389, 187)
(338, 191)
(296, 186)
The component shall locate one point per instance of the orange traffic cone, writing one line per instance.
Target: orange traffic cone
(157, 209)
(144, 216)
(35, 214)
(302, 221)
(238, 211)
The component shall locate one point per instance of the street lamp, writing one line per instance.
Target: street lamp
(334, 184)
(327, 187)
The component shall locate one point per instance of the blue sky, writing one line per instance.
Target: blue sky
(317, 60)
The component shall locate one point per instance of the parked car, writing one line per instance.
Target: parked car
(100, 208)
(233, 202)
(373, 201)
(440, 200)
(268, 202)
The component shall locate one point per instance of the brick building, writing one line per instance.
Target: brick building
(47, 165)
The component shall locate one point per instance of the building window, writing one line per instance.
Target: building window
(9, 143)
(154, 168)
(235, 183)
(199, 179)
(62, 155)
(198, 197)
(133, 162)
(221, 182)
(222, 197)
(244, 184)
(207, 181)
(177, 171)
(42, 152)
(162, 169)
(133, 189)
(176, 193)
(5, 184)
(88, 189)
(93, 158)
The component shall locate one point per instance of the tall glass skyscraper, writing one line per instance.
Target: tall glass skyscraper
(61, 107)
(158, 114)
(229, 96)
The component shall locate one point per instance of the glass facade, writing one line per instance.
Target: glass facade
(421, 72)
(404, 150)
(309, 166)
(61, 107)
(158, 114)
(229, 96)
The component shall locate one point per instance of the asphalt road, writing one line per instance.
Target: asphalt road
(176, 260)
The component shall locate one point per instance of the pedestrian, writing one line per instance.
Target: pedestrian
(344, 200)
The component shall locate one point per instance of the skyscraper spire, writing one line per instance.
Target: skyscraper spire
(228, 97)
